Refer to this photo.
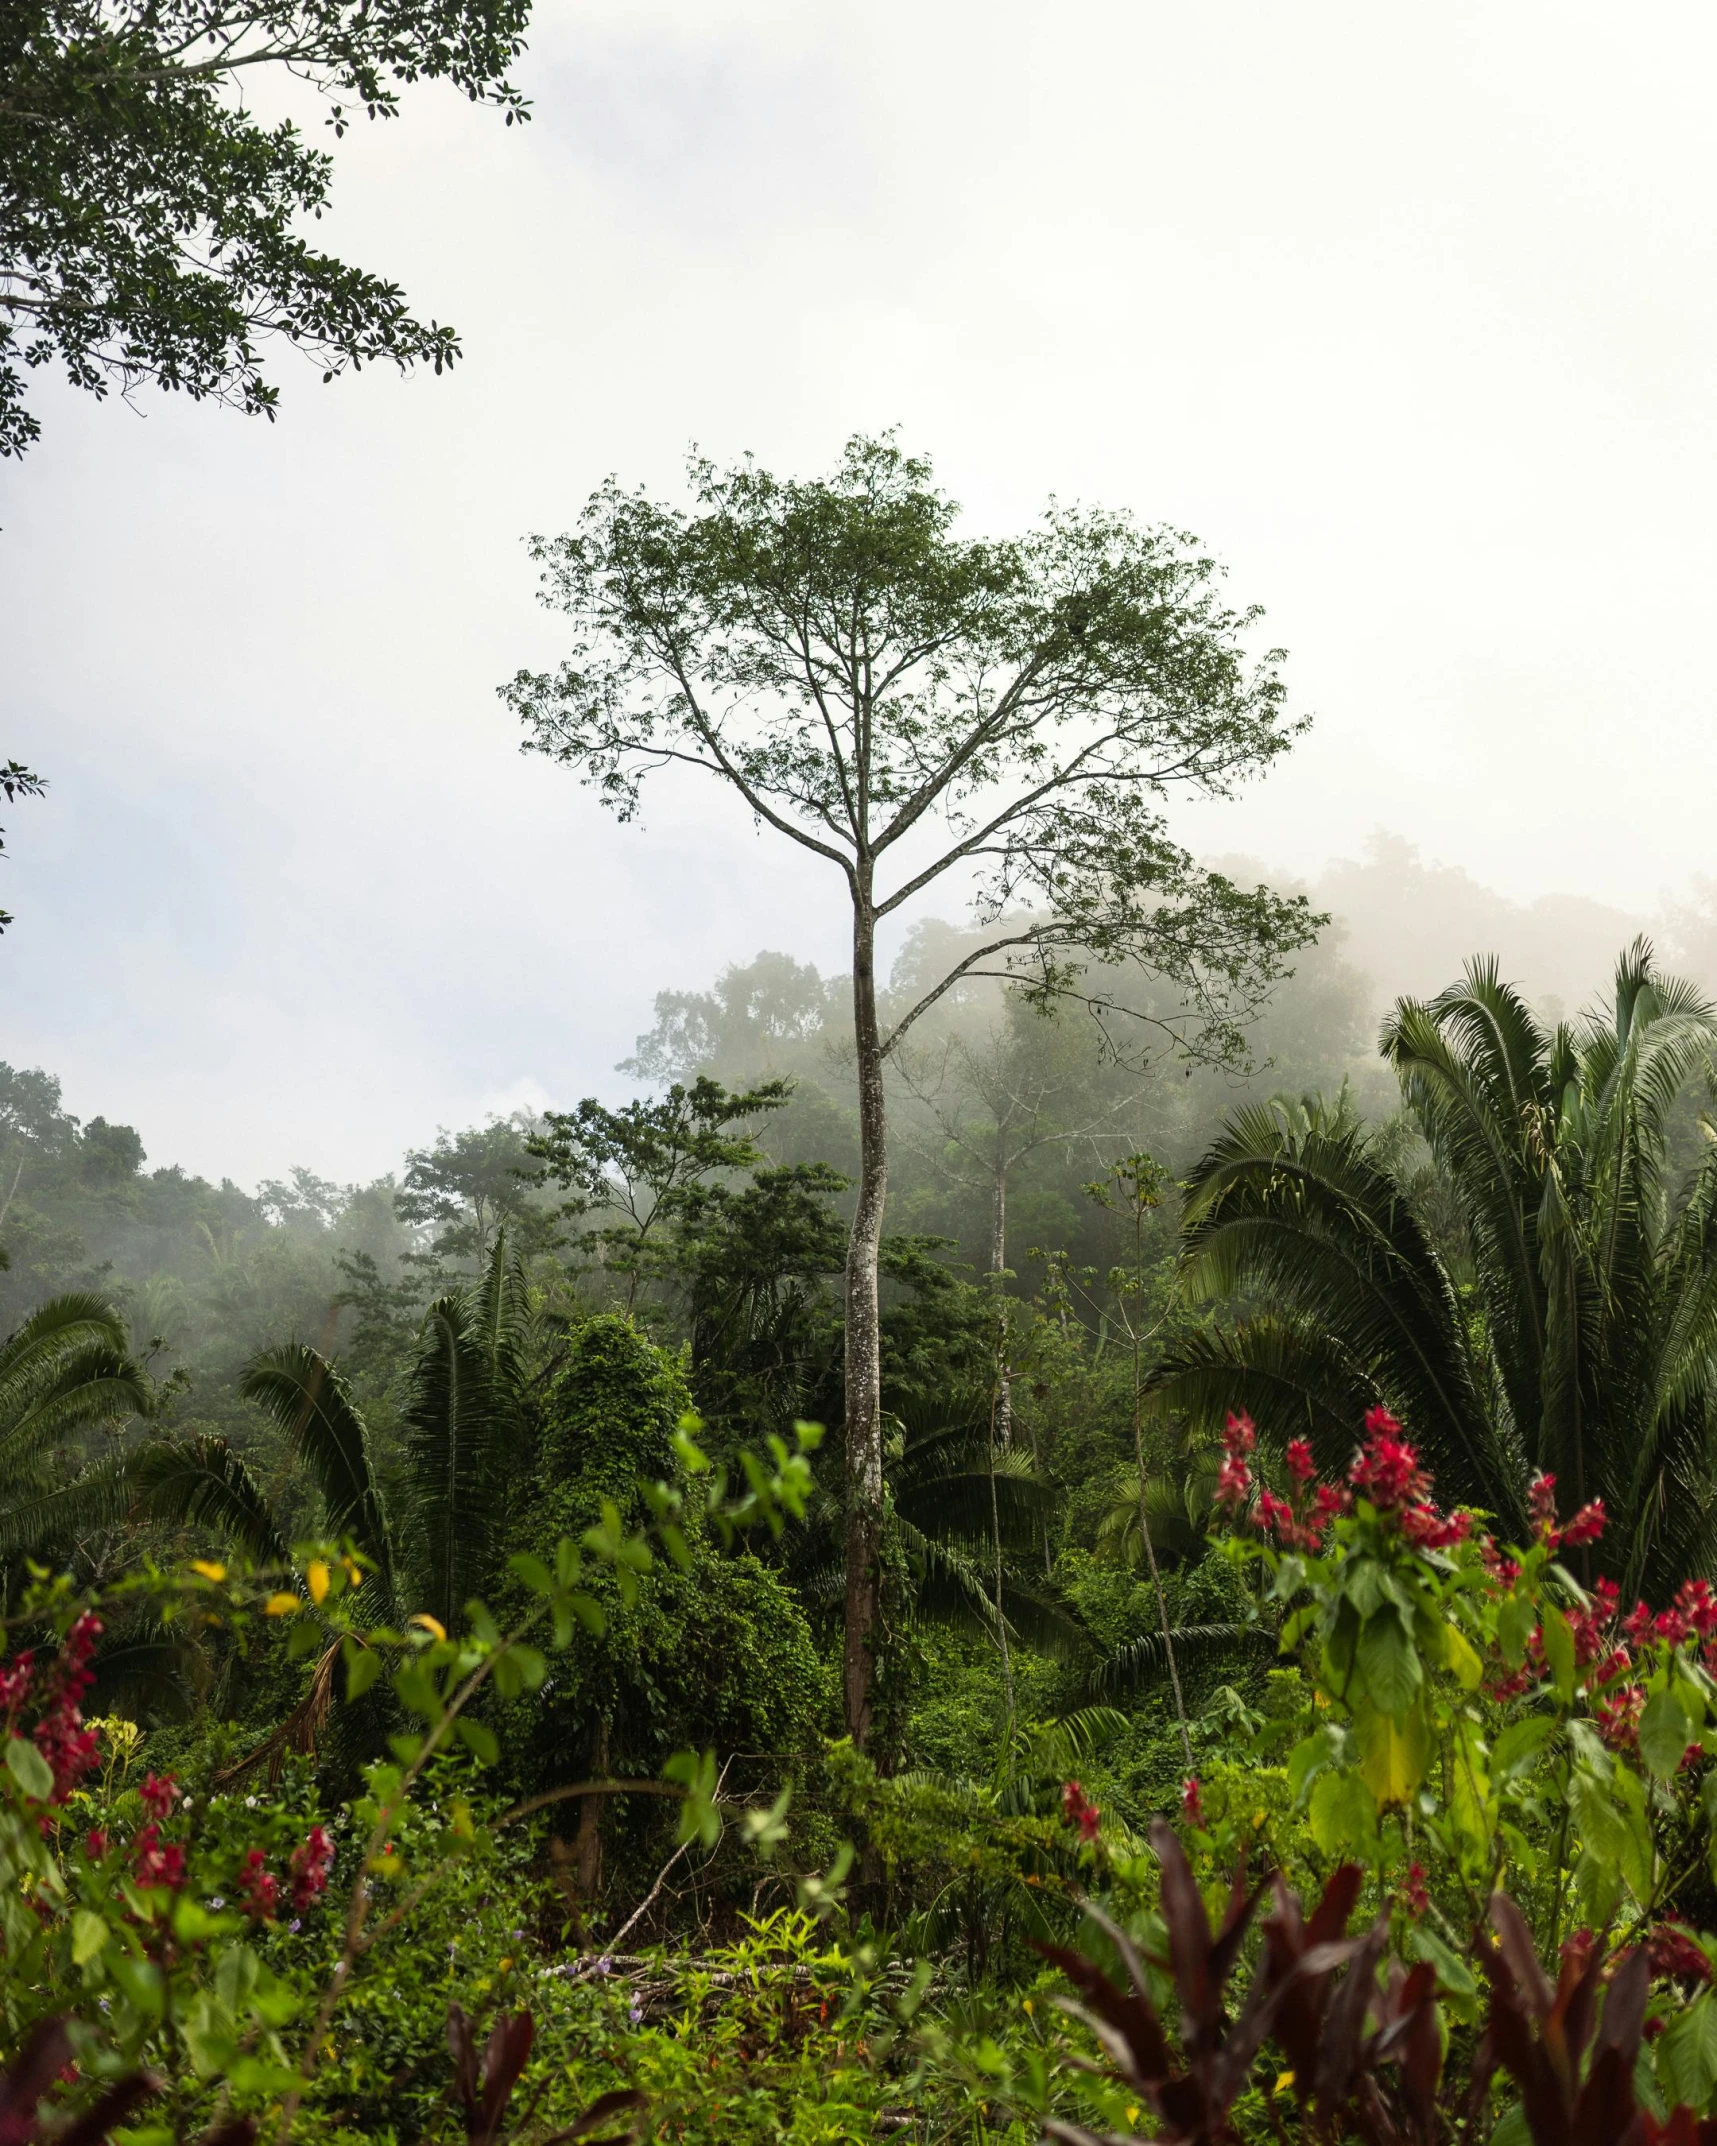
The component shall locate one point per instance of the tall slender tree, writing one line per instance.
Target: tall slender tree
(912, 708)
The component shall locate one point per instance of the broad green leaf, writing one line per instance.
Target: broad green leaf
(89, 1936)
(1514, 1624)
(1601, 1825)
(1389, 1661)
(1461, 1658)
(1308, 1758)
(532, 1571)
(29, 1769)
(479, 1739)
(1687, 2053)
(363, 1666)
(1343, 1814)
(1519, 1744)
(1510, 2128)
(1453, 1973)
(1559, 1651)
(1394, 1753)
(1664, 1734)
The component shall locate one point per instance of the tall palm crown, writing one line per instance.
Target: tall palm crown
(67, 1367)
(1543, 1297)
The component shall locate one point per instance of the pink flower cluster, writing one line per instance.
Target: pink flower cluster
(1078, 1809)
(312, 1861)
(258, 1892)
(155, 1861)
(60, 1736)
(1234, 1478)
(1585, 1526)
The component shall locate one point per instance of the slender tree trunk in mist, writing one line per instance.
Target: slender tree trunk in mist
(864, 1342)
(998, 1270)
(1000, 1415)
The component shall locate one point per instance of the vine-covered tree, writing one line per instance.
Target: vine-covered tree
(906, 705)
(150, 223)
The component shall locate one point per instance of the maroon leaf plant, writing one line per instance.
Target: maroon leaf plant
(483, 2091)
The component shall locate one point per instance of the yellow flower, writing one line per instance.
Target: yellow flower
(1028, 2004)
(217, 1573)
(1283, 2084)
(1320, 1698)
(1132, 2112)
(282, 1605)
(432, 1625)
(505, 1966)
(316, 1574)
(1260, 1819)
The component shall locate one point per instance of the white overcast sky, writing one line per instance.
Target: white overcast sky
(1408, 313)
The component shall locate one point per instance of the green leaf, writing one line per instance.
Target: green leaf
(1514, 1624)
(1664, 1734)
(29, 1769)
(1519, 1744)
(1309, 1758)
(479, 1739)
(535, 1574)
(89, 1936)
(1343, 1814)
(1453, 1973)
(1389, 1661)
(1394, 1751)
(1559, 1652)
(363, 1666)
(1510, 2128)
(1687, 2053)
(1602, 1827)
(1460, 1658)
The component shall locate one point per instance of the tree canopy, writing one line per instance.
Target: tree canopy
(150, 222)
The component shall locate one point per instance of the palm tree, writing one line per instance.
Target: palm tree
(430, 1549)
(67, 1367)
(952, 1499)
(1542, 1297)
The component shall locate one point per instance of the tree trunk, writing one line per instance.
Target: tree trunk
(864, 1347)
(998, 1270)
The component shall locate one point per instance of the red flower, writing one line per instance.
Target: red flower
(312, 1860)
(1301, 1465)
(1587, 1524)
(95, 1844)
(1637, 1623)
(1387, 1471)
(160, 1792)
(258, 1892)
(1080, 1811)
(1330, 1503)
(1618, 1717)
(1428, 1529)
(1414, 1896)
(15, 1681)
(1234, 1478)
(158, 1862)
(1191, 1803)
(1673, 1952)
(1697, 1607)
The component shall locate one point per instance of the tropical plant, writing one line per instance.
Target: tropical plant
(1542, 1297)
(67, 1367)
(951, 1498)
(429, 1547)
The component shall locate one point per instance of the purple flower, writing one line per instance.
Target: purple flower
(635, 2010)
(294, 1926)
(605, 1965)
